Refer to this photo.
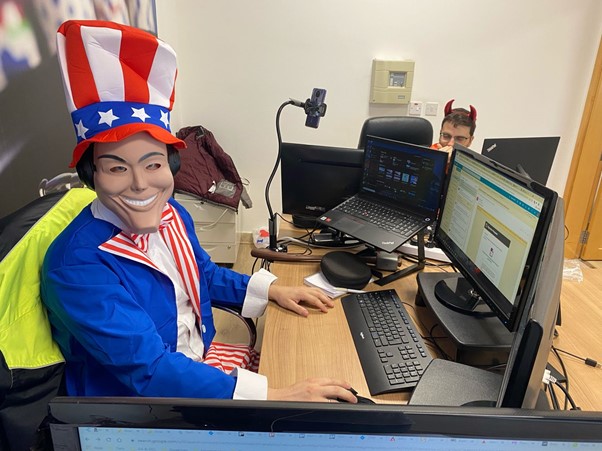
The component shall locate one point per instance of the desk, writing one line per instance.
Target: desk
(296, 348)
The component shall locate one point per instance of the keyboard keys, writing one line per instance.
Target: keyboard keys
(387, 218)
(391, 351)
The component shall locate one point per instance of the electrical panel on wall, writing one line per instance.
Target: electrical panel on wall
(392, 82)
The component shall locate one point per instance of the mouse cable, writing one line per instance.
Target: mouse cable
(416, 318)
(432, 340)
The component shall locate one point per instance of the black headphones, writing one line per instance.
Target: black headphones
(85, 166)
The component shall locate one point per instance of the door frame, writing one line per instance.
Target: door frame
(582, 181)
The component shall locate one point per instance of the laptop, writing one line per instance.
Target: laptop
(155, 424)
(531, 156)
(399, 194)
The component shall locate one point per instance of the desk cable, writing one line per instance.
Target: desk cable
(588, 361)
(561, 380)
(551, 382)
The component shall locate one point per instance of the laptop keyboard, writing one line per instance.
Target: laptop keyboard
(384, 217)
(392, 353)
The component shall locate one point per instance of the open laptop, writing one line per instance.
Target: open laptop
(531, 156)
(399, 194)
(155, 424)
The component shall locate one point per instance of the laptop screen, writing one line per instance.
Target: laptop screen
(150, 424)
(407, 175)
(533, 156)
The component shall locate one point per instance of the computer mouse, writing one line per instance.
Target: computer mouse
(360, 399)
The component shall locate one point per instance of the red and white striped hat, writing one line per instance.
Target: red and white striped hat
(118, 80)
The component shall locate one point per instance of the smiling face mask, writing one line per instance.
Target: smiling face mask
(132, 178)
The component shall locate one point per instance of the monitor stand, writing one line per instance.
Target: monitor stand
(479, 339)
(418, 266)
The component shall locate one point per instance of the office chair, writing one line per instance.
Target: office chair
(410, 129)
(31, 363)
(31, 358)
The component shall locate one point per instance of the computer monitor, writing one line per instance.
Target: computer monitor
(187, 424)
(493, 226)
(527, 362)
(315, 178)
(505, 233)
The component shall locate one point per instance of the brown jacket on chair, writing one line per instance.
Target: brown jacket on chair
(206, 170)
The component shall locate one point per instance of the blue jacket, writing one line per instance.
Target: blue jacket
(115, 319)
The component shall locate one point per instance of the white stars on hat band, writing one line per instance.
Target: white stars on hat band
(107, 117)
(81, 131)
(103, 116)
(140, 114)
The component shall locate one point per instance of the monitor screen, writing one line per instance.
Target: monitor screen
(317, 178)
(188, 424)
(493, 225)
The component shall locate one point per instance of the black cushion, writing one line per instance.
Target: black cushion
(346, 270)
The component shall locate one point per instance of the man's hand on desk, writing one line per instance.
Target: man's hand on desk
(314, 390)
(290, 298)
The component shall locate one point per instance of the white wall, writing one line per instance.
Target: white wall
(525, 66)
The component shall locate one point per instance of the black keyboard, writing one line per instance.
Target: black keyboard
(392, 353)
(382, 216)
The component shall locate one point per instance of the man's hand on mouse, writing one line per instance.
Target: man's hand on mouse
(316, 390)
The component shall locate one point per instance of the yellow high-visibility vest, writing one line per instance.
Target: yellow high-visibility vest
(25, 336)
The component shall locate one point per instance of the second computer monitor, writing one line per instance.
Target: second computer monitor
(316, 178)
(493, 226)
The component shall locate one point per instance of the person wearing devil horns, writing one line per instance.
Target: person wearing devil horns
(127, 286)
(458, 126)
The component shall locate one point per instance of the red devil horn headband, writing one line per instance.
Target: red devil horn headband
(448, 110)
(448, 107)
(473, 113)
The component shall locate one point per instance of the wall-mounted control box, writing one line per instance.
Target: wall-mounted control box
(392, 82)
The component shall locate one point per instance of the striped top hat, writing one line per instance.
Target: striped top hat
(118, 80)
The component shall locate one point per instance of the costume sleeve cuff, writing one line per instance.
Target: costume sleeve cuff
(256, 299)
(249, 385)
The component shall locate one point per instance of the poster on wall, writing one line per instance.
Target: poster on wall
(36, 132)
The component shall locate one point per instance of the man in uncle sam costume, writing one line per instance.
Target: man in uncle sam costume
(127, 285)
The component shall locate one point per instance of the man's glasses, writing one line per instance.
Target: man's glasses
(458, 139)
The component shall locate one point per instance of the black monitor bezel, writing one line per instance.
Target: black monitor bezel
(294, 157)
(509, 313)
(281, 416)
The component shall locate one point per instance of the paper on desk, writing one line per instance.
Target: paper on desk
(318, 280)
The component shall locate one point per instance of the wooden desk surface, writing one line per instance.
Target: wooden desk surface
(296, 348)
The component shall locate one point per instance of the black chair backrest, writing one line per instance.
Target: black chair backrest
(410, 129)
